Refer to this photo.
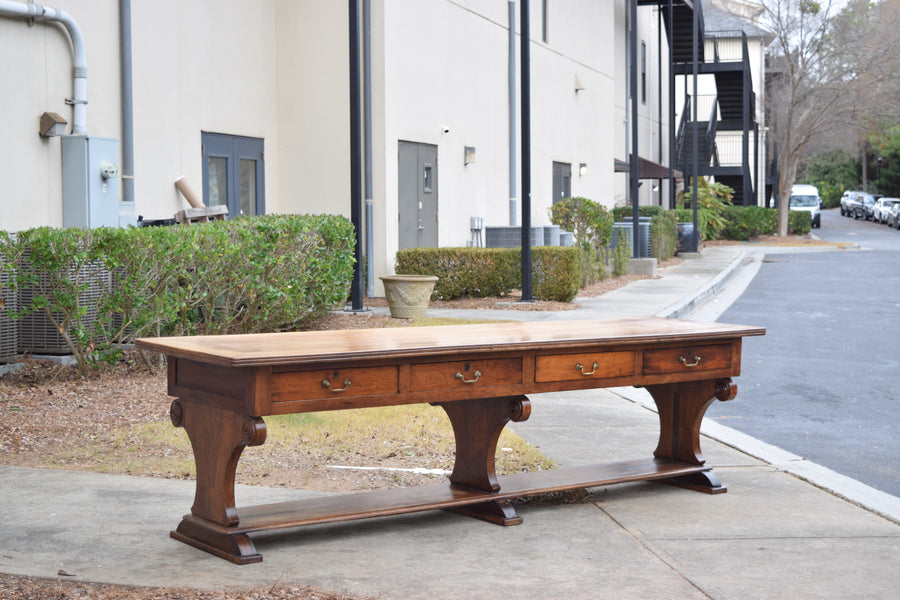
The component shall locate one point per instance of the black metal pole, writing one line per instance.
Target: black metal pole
(695, 239)
(672, 129)
(525, 60)
(356, 288)
(634, 180)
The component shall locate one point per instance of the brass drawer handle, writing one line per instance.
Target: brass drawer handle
(684, 361)
(327, 385)
(462, 377)
(580, 367)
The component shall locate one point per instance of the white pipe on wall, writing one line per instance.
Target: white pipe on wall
(38, 12)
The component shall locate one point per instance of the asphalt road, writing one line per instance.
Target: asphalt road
(822, 382)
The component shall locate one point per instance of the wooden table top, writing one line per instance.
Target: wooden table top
(310, 347)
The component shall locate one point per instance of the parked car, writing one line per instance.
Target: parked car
(883, 208)
(862, 206)
(893, 219)
(806, 198)
(847, 201)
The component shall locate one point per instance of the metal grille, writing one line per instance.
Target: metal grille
(9, 329)
(37, 333)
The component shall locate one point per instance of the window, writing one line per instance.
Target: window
(233, 173)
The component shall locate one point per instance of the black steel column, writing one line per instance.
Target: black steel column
(634, 180)
(672, 130)
(356, 288)
(695, 240)
(525, 59)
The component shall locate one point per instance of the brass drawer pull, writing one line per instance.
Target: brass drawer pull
(462, 377)
(327, 385)
(580, 367)
(684, 361)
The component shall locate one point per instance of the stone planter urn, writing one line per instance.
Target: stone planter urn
(408, 295)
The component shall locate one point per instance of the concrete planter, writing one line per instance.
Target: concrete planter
(408, 295)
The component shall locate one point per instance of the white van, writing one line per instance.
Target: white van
(806, 197)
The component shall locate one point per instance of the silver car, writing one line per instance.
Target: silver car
(882, 209)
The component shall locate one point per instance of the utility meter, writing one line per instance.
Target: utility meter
(108, 170)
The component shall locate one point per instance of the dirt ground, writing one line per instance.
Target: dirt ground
(48, 412)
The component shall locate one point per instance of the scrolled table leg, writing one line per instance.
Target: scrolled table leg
(681, 407)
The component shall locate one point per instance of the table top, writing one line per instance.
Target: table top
(309, 347)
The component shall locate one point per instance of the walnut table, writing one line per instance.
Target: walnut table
(479, 374)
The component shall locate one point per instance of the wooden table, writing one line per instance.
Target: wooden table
(479, 374)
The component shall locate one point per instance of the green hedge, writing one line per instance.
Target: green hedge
(247, 275)
(485, 272)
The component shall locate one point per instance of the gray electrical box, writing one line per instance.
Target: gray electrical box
(90, 183)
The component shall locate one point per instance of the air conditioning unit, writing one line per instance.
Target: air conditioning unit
(9, 329)
(37, 332)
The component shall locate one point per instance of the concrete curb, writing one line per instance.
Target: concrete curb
(849, 489)
(685, 306)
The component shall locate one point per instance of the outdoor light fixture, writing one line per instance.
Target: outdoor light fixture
(469, 156)
(582, 169)
(578, 85)
(52, 125)
(655, 188)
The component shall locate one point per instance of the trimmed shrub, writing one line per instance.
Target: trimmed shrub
(555, 273)
(663, 234)
(247, 275)
(472, 272)
(485, 272)
(591, 225)
(620, 213)
(746, 222)
(799, 222)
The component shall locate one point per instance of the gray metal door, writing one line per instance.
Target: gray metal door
(418, 195)
(562, 181)
(233, 173)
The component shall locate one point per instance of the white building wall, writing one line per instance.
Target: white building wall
(277, 70)
(649, 122)
(36, 70)
(204, 65)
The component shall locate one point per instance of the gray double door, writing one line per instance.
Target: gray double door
(418, 195)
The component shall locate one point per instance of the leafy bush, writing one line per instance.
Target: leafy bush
(248, 275)
(485, 272)
(555, 273)
(799, 222)
(712, 201)
(472, 272)
(746, 222)
(620, 213)
(663, 234)
(591, 225)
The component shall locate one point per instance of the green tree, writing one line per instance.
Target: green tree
(832, 172)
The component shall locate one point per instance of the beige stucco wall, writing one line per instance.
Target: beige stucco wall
(198, 66)
(36, 71)
(277, 70)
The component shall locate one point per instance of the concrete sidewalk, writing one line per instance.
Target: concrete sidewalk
(773, 535)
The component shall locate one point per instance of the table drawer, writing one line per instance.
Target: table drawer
(425, 377)
(333, 383)
(688, 359)
(596, 365)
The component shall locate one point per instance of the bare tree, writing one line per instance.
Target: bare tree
(827, 67)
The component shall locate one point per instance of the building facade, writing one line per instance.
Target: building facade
(248, 103)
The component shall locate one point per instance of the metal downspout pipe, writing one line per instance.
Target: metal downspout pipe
(511, 76)
(79, 64)
(367, 144)
(127, 101)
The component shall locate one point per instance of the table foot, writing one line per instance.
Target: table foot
(236, 547)
(699, 482)
(499, 512)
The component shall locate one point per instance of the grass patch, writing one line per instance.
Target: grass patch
(299, 447)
